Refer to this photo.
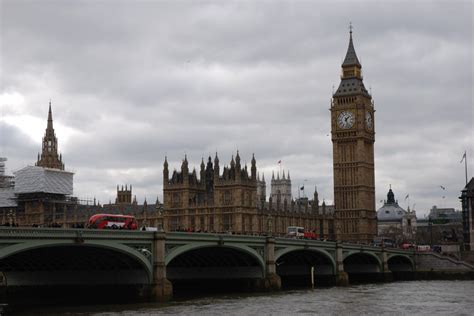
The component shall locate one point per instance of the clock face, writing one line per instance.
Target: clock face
(345, 119)
(368, 120)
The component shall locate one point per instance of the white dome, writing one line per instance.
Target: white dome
(390, 211)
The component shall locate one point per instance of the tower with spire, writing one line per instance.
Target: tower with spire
(49, 157)
(281, 186)
(353, 137)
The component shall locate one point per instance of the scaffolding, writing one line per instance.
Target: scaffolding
(5, 181)
(33, 179)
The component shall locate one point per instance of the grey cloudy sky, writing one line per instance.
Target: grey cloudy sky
(133, 81)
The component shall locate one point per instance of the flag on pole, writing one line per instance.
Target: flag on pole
(463, 157)
(442, 187)
(406, 197)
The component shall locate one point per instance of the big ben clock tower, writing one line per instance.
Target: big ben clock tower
(353, 137)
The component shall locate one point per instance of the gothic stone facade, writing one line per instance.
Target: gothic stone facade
(228, 202)
(47, 210)
(213, 202)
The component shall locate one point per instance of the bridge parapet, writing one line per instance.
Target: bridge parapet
(52, 233)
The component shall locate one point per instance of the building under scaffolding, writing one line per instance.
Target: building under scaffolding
(5, 181)
(7, 196)
(43, 195)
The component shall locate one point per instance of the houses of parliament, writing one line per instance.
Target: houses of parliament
(222, 197)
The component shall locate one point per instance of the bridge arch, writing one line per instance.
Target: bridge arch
(400, 263)
(359, 262)
(301, 266)
(208, 260)
(179, 250)
(321, 252)
(64, 255)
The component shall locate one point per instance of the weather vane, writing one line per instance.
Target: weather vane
(350, 27)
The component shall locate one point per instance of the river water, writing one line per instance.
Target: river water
(397, 298)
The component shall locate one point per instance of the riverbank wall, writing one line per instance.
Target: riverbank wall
(432, 266)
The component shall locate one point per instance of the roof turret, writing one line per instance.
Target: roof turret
(390, 197)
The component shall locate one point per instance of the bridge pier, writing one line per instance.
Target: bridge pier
(3, 289)
(161, 288)
(387, 275)
(342, 278)
(272, 281)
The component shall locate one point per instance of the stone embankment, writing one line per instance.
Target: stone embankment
(432, 266)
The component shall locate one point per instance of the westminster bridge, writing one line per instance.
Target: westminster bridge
(155, 262)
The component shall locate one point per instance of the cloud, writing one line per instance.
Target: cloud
(131, 82)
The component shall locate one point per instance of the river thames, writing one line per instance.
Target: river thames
(397, 298)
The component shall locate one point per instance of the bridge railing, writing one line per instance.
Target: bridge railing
(34, 232)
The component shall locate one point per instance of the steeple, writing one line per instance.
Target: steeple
(253, 169)
(216, 168)
(50, 118)
(315, 204)
(166, 173)
(203, 171)
(185, 169)
(351, 78)
(237, 159)
(49, 156)
(209, 168)
(351, 56)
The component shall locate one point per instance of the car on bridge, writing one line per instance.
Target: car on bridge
(383, 241)
(295, 232)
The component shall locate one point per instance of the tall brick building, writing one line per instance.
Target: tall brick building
(353, 137)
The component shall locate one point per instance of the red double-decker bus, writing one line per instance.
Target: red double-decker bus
(112, 221)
